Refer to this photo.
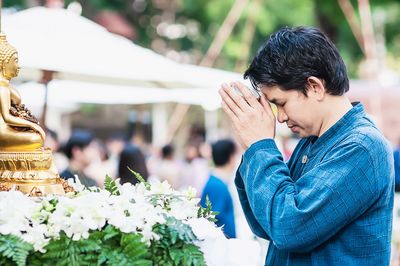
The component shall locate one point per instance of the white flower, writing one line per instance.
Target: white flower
(190, 193)
(204, 229)
(158, 187)
(36, 235)
(213, 242)
(76, 184)
(77, 216)
(183, 209)
(15, 210)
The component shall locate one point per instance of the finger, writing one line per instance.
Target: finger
(266, 106)
(248, 96)
(236, 97)
(229, 102)
(228, 111)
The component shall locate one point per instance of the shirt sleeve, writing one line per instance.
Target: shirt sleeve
(255, 227)
(299, 216)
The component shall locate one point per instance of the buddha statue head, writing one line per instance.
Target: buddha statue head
(8, 59)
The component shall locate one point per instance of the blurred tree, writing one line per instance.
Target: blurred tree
(14, 3)
(184, 29)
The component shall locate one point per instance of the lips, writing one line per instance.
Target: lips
(293, 128)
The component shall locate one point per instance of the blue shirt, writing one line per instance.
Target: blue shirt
(331, 204)
(396, 155)
(221, 201)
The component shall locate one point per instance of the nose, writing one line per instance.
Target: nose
(282, 117)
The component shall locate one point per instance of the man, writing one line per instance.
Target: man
(223, 154)
(396, 155)
(331, 204)
(80, 150)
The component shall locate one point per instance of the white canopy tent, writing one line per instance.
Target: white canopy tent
(95, 66)
(65, 96)
(79, 49)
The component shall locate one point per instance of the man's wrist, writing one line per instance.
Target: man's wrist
(267, 143)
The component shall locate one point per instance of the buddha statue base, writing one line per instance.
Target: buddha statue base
(31, 172)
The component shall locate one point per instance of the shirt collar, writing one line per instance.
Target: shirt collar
(344, 124)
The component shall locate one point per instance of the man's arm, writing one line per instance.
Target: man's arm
(300, 216)
(255, 227)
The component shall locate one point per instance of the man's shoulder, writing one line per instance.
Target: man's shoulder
(216, 184)
(368, 137)
(66, 174)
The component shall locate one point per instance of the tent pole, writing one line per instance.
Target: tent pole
(47, 76)
(209, 59)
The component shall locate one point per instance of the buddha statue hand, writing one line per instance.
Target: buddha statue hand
(38, 129)
(21, 111)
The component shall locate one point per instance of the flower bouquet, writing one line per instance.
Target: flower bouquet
(119, 225)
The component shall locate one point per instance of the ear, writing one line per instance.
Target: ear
(316, 87)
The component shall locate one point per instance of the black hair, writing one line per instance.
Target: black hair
(222, 151)
(52, 134)
(132, 157)
(167, 151)
(291, 55)
(78, 138)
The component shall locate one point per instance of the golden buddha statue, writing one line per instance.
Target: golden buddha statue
(25, 164)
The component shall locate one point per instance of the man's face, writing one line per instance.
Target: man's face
(299, 112)
(88, 154)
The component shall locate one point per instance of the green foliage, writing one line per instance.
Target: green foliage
(176, 245)
(68, 252)
(207, 211)
(107, 247)
(140, 178)
(122, 249)
(14, 3)
(13, 250)
(111, 186)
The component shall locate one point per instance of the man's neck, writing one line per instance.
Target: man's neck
(338, 107)
(76, 166)
(223, 172)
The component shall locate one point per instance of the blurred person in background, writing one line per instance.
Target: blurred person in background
(332, 203)
(60, 160)
(81, 150)
(101, 165)
(168, 168)
(132, 157)
(195, 170)
(216, 189)
(114, 145)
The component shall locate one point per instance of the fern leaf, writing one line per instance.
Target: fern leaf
(15, 249)
(140, 178)
(111, 186)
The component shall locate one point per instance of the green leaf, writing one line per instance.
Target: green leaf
(122, 249)
(207, 211)
(65, 251)
(140, 178)
(14, 249)
(176, 244)
(111, 186)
